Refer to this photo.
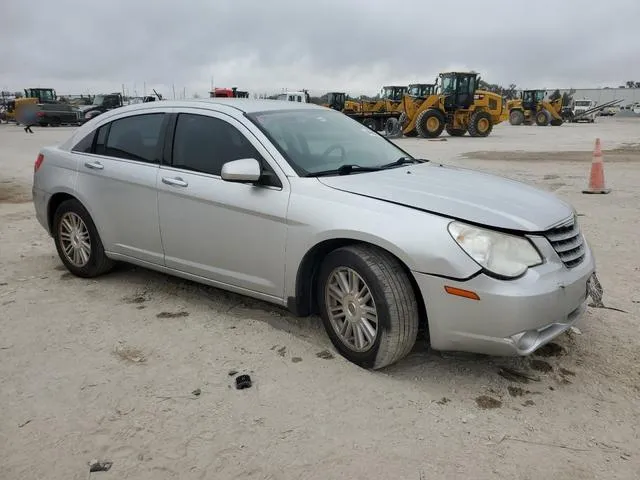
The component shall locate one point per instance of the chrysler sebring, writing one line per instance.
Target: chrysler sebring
(304, 207)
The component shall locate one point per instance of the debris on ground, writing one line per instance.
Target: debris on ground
(541, 366)
(517, 375)
(130, 354)
(232, 373)
(243, 381)
(296, 359)
(172, 314)
(516, 391)
(485, 402)
(196, 392)
(96, 466)
(443, 401)
(25, 423)
(325, 354)
(550, 350)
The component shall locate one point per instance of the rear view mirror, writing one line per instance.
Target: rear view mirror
(245, 170)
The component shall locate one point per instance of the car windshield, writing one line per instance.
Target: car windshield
(318, 140)
(98, 99)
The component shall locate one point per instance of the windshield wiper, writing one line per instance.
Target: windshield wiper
(402, 161)
(344, 170)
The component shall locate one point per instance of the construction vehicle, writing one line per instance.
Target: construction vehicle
(580, 109)
(416, 94)
(340, 101)
(232, 92)
(587, 109)
(533, 106)
(375, 120)
(50, 111)
(301, 96)
(100, 104)
(390, 100)
(457, 106)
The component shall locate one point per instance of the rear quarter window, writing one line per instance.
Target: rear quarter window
(86, 144)
(135, 138)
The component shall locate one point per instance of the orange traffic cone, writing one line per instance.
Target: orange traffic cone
(596, 179)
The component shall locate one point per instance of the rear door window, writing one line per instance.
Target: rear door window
(135, 138)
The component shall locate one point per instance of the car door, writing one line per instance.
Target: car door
(117, 183)
(231, 233)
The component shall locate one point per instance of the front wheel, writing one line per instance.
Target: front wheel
(77, 241)
(367, 305)
(480, 124)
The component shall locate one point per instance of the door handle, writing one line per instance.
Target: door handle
(176, 182)
(94, 165)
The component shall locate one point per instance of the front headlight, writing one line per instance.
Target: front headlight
(499, 253)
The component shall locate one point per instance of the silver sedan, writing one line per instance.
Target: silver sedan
(302, 206)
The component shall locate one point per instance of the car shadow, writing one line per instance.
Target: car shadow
(535, 373)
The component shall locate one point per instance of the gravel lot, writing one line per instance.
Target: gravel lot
(105, 369)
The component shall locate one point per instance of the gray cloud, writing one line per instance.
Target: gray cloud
(354, 45)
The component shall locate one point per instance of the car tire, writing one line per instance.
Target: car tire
(392, 299)
(72, 225)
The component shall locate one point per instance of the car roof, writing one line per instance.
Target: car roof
(246, 105)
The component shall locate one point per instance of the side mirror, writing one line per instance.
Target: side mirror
(245, 170)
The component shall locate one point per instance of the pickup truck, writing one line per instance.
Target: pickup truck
(100, 104)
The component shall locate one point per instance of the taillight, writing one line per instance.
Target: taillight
(40, 114)
(39, 161)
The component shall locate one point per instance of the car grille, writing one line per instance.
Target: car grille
(568, 243)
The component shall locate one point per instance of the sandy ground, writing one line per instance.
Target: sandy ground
(105, 369)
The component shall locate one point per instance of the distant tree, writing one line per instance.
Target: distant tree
(632, 84)
(196, 95)
(622, 86)
(509, 93)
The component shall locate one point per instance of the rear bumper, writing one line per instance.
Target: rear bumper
(512, 317)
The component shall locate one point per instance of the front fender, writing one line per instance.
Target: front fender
(417, 238)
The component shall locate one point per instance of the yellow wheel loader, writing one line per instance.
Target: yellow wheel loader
(532, 106)
(416, 94)
(458, 106)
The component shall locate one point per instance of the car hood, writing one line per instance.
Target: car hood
(459, 193)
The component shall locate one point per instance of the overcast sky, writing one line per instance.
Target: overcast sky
(322, 45)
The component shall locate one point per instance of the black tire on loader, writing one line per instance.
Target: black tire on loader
(430, 123)
(516, 117)
(370, 123)
(542, 118)
(392, 127)
(480, 124)
(455, 132)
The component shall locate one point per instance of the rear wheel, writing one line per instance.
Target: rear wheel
(542, 118)
(370, 123)
(430, 123)
(516, 117)
(455, 132)
(77, 241)
(367, 305)
(480, 124)
(391, 126)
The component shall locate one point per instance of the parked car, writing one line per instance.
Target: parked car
(299, 205)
